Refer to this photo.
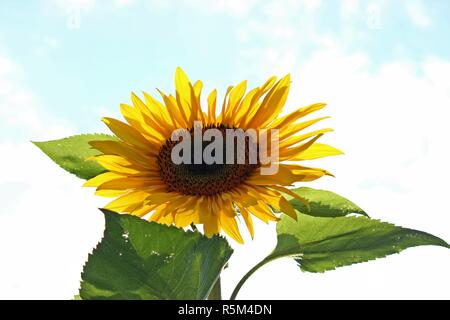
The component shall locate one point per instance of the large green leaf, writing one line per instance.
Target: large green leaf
(324, 203)
(138, 259)
(71, 153)
(321, 244)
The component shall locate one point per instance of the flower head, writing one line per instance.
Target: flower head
(145, 180)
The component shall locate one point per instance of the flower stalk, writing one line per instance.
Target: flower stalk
(216, 292)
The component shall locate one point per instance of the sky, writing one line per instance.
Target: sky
(383, 67)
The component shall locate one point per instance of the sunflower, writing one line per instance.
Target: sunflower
(145, 182)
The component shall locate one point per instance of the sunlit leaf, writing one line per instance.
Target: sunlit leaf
(320, 244)
(70, 154)
(324, 203)
(137, 259)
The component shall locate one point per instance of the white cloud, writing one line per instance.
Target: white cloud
(123, 3)
(6, 66)
(45, 45)
(373, 16)
(45, 237)
(19, 107)
(42, 251)
(72, 10)
(279, 9)
(237, 7)
(438, 71)
(349, 8)
(311, 5)
(415, 10)
(68, 5)
(417, 13)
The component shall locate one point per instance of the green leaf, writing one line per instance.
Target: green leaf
(324, 203)
(137, 259)
(321, 244)
(71, 153)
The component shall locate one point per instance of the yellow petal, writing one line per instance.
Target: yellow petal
(246, 107)
(224, 104)
(229, 224)
(162, 215)
(127, 133)
(285, 121)
(287, 153)
(139, 104)
(287, 175)
(159, 198)
(186, 95)
(262, 212)
(268, 84)
(287, 208)
(159, 115)
(316, 151)
(247, 219)
(158, 213)
(236, 95)
(272, 104)
(184, 219)
(302, 137)
(117, 164)
(126, 151)
(275, 200)
(198, 86)
(211, 224)
(197, 89)
(175, 115)
(212, 100)
(144, 123)
(131, 183)
(294, 128)
(142, 211)
(292, 194)
(126, 201)
(167, 219)
(183, 87)
(254, 104)
(181, 203)
(110, 193)
(102, 178)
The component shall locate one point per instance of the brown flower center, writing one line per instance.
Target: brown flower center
(202, 178)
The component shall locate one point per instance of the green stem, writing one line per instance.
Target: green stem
(216, 292)
(244, 278)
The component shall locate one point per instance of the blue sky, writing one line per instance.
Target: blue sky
(383, 67)
(120, 46)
